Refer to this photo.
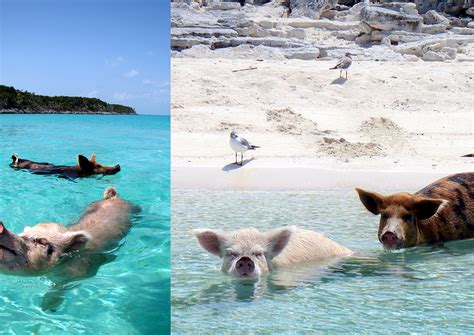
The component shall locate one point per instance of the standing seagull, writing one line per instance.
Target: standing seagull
(343, 64)
(240, 144)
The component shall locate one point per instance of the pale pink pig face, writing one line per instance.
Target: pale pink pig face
(245, 253)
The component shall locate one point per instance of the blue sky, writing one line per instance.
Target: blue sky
(114, 50)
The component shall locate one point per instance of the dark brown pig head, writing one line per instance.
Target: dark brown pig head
(92, 167)
(400, 216)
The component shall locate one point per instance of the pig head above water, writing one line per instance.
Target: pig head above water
(442, 211)
(247, 253)
(41, 247)
(84, 167)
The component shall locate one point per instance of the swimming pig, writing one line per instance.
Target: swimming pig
(442, 211)
(248, 252)
(84, 168)
(43, 246)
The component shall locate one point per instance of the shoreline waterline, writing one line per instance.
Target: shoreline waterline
(296, 178)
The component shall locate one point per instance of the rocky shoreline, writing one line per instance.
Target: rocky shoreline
(324, 29)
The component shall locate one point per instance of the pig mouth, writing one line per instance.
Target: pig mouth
(2, 247)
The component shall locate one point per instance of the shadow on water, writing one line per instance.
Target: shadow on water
(233, 166)
(401, 264)
(339, 81)
(68, 275)
(48, 173)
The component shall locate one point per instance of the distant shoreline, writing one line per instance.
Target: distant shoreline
(16, 111)
(14, 101)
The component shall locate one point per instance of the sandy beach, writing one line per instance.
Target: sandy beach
(412, 118)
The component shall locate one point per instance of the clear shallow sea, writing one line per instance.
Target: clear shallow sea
(418, 290)
(129, 295)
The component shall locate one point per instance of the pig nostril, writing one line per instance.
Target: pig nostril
(389, 238)
(245, 265)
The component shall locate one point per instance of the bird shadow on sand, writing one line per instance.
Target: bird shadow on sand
(339, 81)
(233, 166)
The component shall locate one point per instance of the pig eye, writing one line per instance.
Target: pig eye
(258, 254)
(42, 241)
(232, 254)
(384, 216)
(407, 218)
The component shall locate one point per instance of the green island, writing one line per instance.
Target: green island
(13, 101)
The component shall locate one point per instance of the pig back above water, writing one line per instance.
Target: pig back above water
(306, 246)
(107, 222)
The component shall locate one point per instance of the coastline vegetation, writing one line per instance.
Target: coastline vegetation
(13, 101)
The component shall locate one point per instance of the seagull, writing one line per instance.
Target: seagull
(240, 144)
(343, 64)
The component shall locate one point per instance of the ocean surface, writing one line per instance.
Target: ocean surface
(418, 290)
(129, 295)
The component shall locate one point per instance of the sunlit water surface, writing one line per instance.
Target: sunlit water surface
(129, 295)
(419, 290)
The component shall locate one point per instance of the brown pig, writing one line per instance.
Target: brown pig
(41, 247)
(248, 253)
(442, 211)
(84, 168)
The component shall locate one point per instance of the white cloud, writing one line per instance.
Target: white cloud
(92, 94)
(130, 74)
(122, 96)
(115, 61)
(148, 82)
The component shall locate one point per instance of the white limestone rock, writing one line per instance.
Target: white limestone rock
(387, 19)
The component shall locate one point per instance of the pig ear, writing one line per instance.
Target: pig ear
(371, 200)
(211, 240)
(278, 239)
(85, 164)
(75, 241)
(92, 159)
(425, 208)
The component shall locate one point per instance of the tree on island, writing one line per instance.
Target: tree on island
(16, 101)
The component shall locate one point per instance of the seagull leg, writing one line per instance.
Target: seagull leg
(340, 73)
(241, 159)
(236, 157)
(346, 74)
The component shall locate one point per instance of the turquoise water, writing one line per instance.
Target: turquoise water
(129, 295)
(418, 290)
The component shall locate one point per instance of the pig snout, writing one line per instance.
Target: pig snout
(390, 240)
(110, 169)
(245, 266)
(114, 169)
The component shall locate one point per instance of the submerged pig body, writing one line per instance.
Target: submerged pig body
(442, 211)
(84, 167)
(41, 247)
(248, 252)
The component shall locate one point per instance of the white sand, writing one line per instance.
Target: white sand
(402, 123)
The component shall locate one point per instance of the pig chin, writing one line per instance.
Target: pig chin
(10, 261)
(236, 274)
